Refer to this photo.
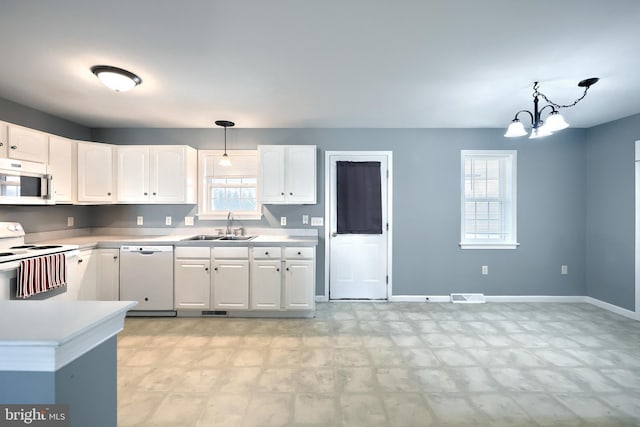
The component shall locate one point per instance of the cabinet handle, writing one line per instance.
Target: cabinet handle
(154, 194)
(80, 261)
(13, 147)
(1, 144)
(115, 257)
(266, 253)
(146, 194)
(215, 269)
(108, 194)
(287, 268)
(206, 269)
(299, 253)
(282, 194)
(146, 299)
(291, 194)
(277, 269)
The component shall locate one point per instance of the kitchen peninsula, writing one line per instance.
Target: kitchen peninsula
(63, 352)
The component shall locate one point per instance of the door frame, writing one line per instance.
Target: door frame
(327, 215)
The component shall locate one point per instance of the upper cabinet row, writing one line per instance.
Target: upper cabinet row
(97, 173)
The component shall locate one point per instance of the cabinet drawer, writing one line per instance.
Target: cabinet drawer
(230, 252)
(193, 252)
(267, 253)
(298, 253)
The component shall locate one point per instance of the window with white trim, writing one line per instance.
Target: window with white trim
(225, 189)
(488, 217)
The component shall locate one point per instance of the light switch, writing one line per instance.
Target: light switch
(69, 221)
(305, 219)
(564, 270)
(167, 220)
(485, 270)
(283, 221)
(317, 221)
(188, 220)
(140, 220)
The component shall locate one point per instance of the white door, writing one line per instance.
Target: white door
(359, 263)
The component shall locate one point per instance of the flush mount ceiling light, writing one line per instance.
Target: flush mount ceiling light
(225, 161)
(116, 78)
(554, 122)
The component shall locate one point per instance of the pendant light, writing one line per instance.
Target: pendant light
(554, 121)
(225, 161)
(115, 78)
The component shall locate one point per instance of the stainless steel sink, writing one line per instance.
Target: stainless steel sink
(202, 237)
(237, 238)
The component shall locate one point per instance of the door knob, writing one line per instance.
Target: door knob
(334, 234)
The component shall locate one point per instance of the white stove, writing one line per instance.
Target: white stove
(13, 248)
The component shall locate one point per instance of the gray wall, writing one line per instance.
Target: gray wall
(426, 206)
(610, 213)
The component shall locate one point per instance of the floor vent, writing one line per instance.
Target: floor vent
(468, 298)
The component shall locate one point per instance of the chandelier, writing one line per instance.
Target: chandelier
(554, 121)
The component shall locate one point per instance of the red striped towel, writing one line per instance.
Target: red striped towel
(41, 274)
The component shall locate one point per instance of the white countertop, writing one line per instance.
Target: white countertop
(47, 335)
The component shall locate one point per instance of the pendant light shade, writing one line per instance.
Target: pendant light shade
(516, 128)
(116, 79)
(225, 161)
(555, 122)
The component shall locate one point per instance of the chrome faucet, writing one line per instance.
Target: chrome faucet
(229, 219)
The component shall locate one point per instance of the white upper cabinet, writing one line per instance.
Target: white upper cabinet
(287, 174)
(157, 174)
(62, 167)
(3, 139)
(95, 173)
(27, 144)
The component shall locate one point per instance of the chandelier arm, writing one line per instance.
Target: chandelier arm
(558, 106)
(525, 111)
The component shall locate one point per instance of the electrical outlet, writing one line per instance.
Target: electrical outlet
(305, 219)
(188, 220)
(167, 220)
(485, 270)
(317, 221)
(140, 220)
(283, 221)
(564, 269)
(69, 221)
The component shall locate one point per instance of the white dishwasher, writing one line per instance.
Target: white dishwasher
(146, 276)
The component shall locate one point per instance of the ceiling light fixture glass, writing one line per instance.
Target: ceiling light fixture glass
(554, 122)
(115, 78)
(225, 161)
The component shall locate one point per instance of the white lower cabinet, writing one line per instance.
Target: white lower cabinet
(108, 274)
(230, 278)
(192, 278)
(266, 278)
(299, 278)
(86, 276)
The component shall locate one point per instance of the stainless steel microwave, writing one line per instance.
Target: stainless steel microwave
(25, 183)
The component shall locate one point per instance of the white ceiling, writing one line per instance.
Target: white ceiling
(320, 64)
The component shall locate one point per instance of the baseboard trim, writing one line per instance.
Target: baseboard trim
(571, 299)
(613, 308)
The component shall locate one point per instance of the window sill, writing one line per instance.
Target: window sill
(489, 245)
(234, 216)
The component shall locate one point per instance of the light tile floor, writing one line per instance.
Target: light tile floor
(384, 364)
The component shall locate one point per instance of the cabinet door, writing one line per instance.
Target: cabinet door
(133, 174)
(266, 283)
(63, 169)
(299, 285)
(231, 284)
(95, 173)
(3, 139)
(28, 144)
(192, 284)
(300, 173)
(87, 276)
(168, 175)
(271, 174)
(108, 274)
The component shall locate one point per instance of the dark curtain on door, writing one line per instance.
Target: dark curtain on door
(359, 198)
